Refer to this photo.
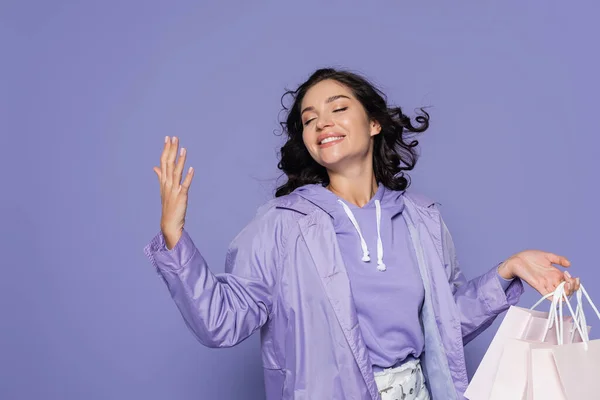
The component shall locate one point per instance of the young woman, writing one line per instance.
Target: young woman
(352, 280)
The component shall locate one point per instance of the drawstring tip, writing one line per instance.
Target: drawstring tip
(381, 267)
(366, 258)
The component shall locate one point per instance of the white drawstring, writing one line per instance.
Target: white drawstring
(363, 244)
(380, 264)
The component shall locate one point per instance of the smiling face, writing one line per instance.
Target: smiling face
(336, 127)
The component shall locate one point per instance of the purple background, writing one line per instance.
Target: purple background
(89, 90)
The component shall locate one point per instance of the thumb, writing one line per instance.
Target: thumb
(157, 172)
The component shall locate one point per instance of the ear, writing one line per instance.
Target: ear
(375, 128)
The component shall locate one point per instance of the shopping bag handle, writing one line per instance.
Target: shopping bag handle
(579, 293)
(555, 315)
(552, 318)
(559, 320)
(580, 315)
(540, 301)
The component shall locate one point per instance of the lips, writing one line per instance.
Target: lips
(330, 136)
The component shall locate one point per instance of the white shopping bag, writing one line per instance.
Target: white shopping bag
(572, 367)
(519, 323)
(531, 370)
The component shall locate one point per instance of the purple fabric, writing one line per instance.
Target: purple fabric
(505, 283)
(388, 302)
(285, 275)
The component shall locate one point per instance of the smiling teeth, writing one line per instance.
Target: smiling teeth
(330, 139)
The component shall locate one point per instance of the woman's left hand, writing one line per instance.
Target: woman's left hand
(537, 269)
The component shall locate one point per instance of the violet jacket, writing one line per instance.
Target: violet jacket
(284, 275)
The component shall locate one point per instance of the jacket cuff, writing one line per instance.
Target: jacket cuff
(495, 296)
(505, 283)
(164, 259)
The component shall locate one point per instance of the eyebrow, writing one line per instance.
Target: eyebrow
(329, 100)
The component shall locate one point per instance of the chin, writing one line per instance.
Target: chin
(331, 156)
(333, 163)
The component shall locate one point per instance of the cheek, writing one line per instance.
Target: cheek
(352, 121)
(309, 136)
(308, 141)
(356, 125)
(305, 137)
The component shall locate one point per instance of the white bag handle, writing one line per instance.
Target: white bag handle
(579, 315)
(561, 295)
(552, 318)
(579, 319)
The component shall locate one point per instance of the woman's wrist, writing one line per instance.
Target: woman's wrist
(505, 270)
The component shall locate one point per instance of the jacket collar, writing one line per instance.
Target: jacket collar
(295, 202)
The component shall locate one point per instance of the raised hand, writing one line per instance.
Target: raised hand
(173, 192)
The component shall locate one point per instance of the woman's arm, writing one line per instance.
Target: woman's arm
(223, 309)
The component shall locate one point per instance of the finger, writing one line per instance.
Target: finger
(172, 153)
(558, 260)
(568, 288)
(185, 186)
(574, 281)
(179, 166)
(570, 283)
(163, 159)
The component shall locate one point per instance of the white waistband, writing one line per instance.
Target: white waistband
(410, 364)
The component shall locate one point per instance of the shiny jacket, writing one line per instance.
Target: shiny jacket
(284, 276)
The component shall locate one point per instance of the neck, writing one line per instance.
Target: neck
(357, 188)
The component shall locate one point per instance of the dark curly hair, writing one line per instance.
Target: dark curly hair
(393, 151)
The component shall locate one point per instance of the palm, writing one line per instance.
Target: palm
(173, 192)
(537, 268)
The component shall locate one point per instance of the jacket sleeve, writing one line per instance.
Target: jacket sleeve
(222, 309)
(481, 299)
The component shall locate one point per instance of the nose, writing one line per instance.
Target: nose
(323, 122)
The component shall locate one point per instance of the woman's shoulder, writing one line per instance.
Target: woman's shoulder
(420, 200)
(290, 206)
(277, 215)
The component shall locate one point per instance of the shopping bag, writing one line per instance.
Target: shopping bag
(542, 376)
(519, 323)
(543, 379)
(522, 359)
(511, 380)
(577, 365)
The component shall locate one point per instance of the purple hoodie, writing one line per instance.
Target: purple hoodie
(388, 301)
(285, 276)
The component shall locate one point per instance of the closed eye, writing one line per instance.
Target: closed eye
(336, 110)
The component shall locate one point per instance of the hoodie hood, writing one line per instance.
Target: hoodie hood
(385, 204)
